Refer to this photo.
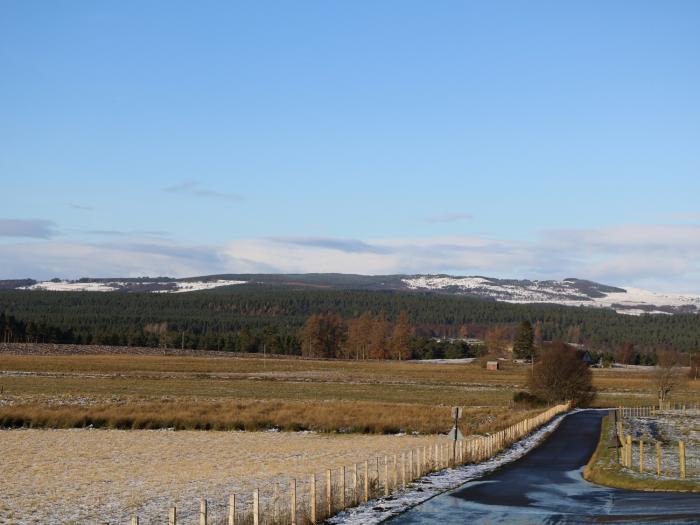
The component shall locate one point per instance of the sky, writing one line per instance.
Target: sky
(539, 139)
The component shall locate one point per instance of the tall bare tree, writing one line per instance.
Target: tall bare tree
(625, 353)
(379, 340)
(497, 340)
(321, 335)
(358, 341)
(667, 374)
(537, 335)
(401, 337)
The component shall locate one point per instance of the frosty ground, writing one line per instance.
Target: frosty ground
(434, 484)
(88, 476)
(668, 429)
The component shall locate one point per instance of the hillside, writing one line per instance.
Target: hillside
(566, 292)
(251, 317)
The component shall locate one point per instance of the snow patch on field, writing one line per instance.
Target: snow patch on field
(377, 511)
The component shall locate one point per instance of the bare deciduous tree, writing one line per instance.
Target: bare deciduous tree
(667, 374)
(401, 338)
(497, 340)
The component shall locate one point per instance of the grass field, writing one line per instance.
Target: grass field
(352, 410)
(152, 391)
(98, 476)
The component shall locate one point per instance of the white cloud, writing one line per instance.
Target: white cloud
(78, 259)
(448, 217)
(193, 187)
(30, 228)
(660, 257)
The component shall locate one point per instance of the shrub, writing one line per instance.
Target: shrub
(527, 400)
(561, 375)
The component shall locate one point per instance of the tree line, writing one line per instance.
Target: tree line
(366, 336)
(269, 318)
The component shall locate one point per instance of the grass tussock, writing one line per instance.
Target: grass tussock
(368, 418)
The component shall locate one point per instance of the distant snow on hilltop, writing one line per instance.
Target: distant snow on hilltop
(113, 286)
(568, 292)
(73, 286)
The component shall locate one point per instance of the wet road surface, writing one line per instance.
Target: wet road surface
(546, 486)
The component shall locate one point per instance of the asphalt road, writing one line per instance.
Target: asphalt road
(546, 486)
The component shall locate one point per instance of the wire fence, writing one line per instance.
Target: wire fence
(660, 441)
(323, 494)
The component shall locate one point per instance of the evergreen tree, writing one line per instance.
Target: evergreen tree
(523, 347)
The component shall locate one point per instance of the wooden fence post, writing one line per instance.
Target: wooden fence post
(256, 507)
(355, 496)
(366, 481)
(134, 520)
(396, 471)
(312, 498)
(403, 470)
(641, 456)
(172, 516)
(658, 459)
(386, 475)
(376, 460)
(629, 451)
(202, 511)
(342, 488)
(232, 509)
(293, 502)
(329, 493)
(681, 458)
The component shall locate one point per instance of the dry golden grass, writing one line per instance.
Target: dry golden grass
(200, 381)
(362, 417)
(97, 476)
(257, 367)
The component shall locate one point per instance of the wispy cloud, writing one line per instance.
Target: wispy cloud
(659, 257)
(343, 245)
(684, 216)
(194, 188)
(80, 207)
(130, 233)
(30, 228)
(448, 217)
(113, 259)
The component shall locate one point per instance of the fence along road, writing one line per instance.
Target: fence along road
(546, 486)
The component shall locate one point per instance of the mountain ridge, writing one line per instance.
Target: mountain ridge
(570, 291)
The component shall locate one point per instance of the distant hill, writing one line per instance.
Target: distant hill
(567, 292)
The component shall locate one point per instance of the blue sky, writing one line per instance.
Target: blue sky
(513, 139)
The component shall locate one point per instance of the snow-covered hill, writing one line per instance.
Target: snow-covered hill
(569, 292)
